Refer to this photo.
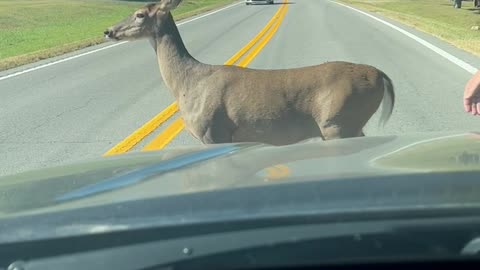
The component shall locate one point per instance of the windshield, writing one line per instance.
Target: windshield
(70, 92)
(115, 101)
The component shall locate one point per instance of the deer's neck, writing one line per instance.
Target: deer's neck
(178, 68)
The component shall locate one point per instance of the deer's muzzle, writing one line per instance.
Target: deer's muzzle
(109, 34)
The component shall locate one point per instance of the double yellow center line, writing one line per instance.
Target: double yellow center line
(249, 52)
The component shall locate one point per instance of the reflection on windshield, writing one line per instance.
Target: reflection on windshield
(344, 106)
(142, 174)
(201, 86)
(449, 153)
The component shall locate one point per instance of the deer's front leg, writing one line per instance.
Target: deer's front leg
(210, 128)
(219, 129)
(219, 135)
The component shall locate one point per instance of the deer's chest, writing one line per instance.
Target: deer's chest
(197, 111)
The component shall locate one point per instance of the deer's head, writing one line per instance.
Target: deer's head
(144, 22)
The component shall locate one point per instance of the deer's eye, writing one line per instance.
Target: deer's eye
(140, 15)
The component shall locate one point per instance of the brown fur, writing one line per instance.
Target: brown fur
(222, 104)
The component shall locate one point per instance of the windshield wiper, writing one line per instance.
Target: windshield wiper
(143, 174)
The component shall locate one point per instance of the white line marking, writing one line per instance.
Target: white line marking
(451, 58)
(106, 47)
(59, 61)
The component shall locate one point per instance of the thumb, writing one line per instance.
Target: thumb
(467, 104)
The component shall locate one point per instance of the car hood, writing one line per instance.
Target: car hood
(193, 169)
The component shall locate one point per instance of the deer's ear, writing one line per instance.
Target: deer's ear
(152, 10)
(167, 5)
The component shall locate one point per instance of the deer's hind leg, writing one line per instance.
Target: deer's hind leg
(345, 116)
(342, 124)
(332, 131)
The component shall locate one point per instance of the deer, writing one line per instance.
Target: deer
(232, 104)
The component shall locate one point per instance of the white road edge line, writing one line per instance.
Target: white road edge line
(60, 61)
(469, 68)
(107, 47)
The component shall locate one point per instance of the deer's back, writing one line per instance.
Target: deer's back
(266, 93)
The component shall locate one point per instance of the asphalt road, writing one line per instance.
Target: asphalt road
(80, 108)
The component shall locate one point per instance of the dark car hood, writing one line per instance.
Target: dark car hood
(218, 183)
(194, 169)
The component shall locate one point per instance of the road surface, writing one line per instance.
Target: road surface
(80, 108)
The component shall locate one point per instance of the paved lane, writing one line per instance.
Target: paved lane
(81, 108)
(429, 88)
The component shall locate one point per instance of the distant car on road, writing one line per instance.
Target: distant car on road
(249, 2)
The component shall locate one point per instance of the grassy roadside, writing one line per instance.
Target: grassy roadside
(32, 30)
(436, 17)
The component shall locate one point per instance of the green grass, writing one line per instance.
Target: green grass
(437, 17)
(31, 30)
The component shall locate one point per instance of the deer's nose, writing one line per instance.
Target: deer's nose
(108, 33)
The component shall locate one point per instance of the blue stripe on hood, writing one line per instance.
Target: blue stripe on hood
(153, 170)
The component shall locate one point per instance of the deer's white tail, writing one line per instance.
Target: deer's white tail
(388, 101)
